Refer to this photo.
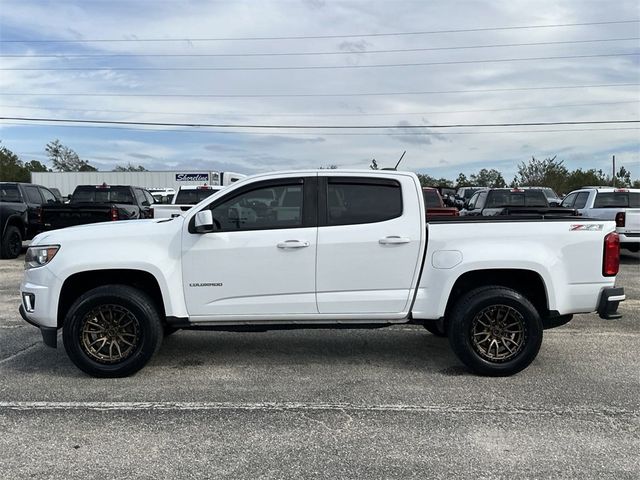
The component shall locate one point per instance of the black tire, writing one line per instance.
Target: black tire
(141, 325)
(11, 243)
(514, 340)
(434, 327)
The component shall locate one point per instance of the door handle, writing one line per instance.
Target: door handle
(293, 244)
(394, 240)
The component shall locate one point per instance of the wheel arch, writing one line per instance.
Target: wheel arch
(15, 221)
(79, 283)
(529, 283)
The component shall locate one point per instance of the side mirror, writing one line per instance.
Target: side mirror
(554, 203)
(204, 221)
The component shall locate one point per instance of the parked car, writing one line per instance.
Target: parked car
(435, 206)
(511, 201)
(552, 197)
(324, 248)
(162, 195)
(608, 203)
(187, 197)
(464, 194)
(21, 214)
(99, 203)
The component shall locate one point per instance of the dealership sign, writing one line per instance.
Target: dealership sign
(192, 177)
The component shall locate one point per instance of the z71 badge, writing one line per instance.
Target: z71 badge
(588, 227)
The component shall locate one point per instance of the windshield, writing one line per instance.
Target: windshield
(90, 194)
(193, 196)
(617, 200)
(507, 198)
(9, 193)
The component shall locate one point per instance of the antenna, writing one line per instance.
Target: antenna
(401, 157)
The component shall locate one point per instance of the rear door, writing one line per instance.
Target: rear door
(34, 201)
(370, 241)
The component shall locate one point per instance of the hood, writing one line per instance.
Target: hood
(106, 231)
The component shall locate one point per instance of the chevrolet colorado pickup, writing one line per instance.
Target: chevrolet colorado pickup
(318, 249)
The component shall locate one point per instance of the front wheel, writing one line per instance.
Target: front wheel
(495, 331)
(112, 331)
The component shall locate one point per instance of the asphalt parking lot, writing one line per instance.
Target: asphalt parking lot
(388, 403)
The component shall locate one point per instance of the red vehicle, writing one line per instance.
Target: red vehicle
(435, 206)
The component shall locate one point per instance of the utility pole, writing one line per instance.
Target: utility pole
(613, 177)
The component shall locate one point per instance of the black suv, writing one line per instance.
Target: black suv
(21, 214)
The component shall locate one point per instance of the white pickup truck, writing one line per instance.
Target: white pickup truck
(321, 249)
(186, 197)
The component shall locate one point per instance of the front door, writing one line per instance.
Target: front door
(260, 261)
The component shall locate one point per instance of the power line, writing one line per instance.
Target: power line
(287, 54)
(319, 67)
(324, 134)
(309, 95)
(304, 127)
(286, 114)
(316, 37)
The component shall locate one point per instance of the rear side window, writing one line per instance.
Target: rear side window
(9, 193)
(358, 202)
(33, 195)
(617, 200)
(139, 196)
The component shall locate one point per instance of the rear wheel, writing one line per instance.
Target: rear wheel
(11, 242)
(495, 331)
(112, 331)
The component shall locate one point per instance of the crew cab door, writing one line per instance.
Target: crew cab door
(260, 261)
(371, 238)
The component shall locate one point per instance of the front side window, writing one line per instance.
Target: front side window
(569, 200)
(357, 202)
(48, 196)
(264, 208)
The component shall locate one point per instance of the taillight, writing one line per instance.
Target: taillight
(611, 258)
(114, 214)
(39, 214)
(620, 219)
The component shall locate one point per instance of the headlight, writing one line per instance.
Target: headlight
(39, 256)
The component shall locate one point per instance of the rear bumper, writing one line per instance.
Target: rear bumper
(609, 301)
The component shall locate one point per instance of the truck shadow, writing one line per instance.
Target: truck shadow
(408, 349)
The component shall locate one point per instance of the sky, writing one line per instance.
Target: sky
(149, 68)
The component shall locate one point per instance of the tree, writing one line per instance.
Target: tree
(374, 165)
(429, 181)
(623, 177)
(462, 181)
(64, 159)
(129, 168)
(543, 173)
(488, 178)
(36, 166)
(11, 167)
(579, 178)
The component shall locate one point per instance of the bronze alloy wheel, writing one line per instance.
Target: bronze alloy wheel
(498, 333)
(109, 334)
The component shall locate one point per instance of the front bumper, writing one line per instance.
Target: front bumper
(609, 301)
(49, 334)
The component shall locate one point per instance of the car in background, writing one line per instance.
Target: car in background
(511, 201)
(187, 197)
(434, 204)
(552, 197)
(464, 194)
(609, 203)
(21, 214)
(99, 203)
(162, 195)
